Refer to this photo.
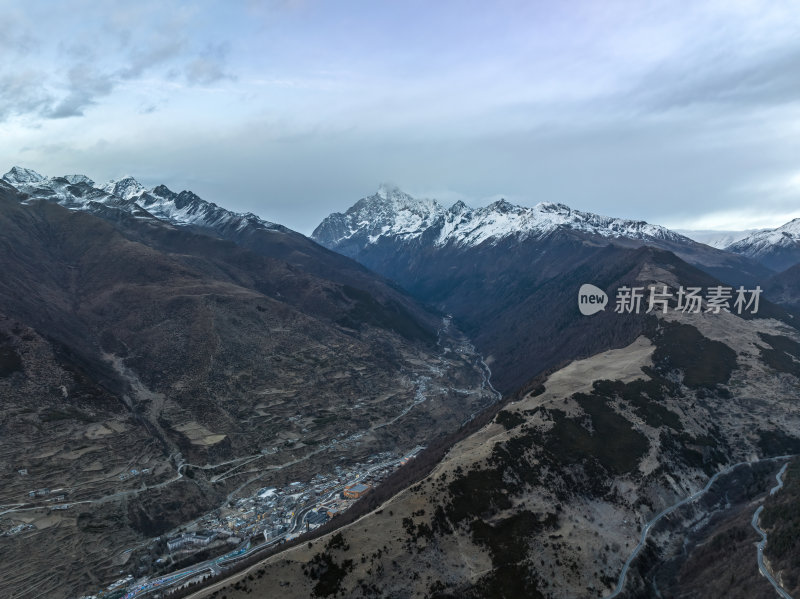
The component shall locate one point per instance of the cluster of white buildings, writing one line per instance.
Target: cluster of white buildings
(195, 539)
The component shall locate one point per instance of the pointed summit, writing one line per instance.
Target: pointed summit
(389, 212)
(459, 208)
(503, 206)
(126, 188)
(777, 248)
(22, 176)
(162, 191)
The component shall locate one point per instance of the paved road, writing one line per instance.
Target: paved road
(760, 550)
(669, 510)
(163, 582)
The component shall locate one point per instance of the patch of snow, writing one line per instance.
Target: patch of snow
(715, 239)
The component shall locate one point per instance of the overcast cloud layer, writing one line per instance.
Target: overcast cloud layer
(685, 114)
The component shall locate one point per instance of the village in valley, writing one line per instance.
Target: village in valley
(271, 516)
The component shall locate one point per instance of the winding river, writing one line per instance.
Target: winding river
(760, 551)
(668, 510)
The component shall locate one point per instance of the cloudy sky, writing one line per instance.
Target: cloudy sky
(681, 113)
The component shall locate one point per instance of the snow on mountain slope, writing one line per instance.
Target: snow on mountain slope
(126, 188)
(75, 179)
(187, 208)
(410, 240)
(387, 212)
(391, 213)
(22, 176)
(76, 192)
(79, 192)
(715, 239)
(502, 219)
(777, 248)
(786, 235)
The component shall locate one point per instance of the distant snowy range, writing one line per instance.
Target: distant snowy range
(391, 213)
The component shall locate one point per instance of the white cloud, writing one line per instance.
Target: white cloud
(678, 113)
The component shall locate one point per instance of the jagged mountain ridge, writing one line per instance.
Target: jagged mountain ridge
(182, 209)
(393, 213)
(778, 249)
(391, 219)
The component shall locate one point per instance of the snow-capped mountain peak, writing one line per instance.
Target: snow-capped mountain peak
(459, 208)
(61, 190)
(22, 176)
(393, 198)
(187, 208)
(777, 248)
(785, 235)
(392, 213)
(388, 211)
(126, 188)
(162, 191)
(790, 230)
(79, 192)
(503, 206)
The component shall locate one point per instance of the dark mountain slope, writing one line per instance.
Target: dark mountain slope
(551, 497)
(509, 274)
(784, 288)
(539, 326)
(117, 200)
(158, 297)
(134, 345)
